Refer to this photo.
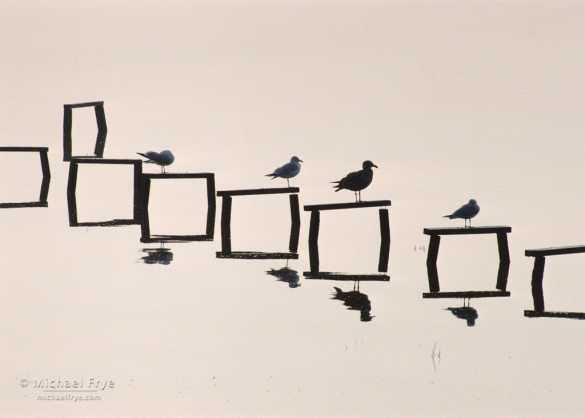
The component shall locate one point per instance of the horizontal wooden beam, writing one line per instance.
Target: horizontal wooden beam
(247, 192)
(467, 294)
(93, 160)
(252, 255)
(351, 205)
(178, 175)
(468, 231)
(555, 251)
(323, 275)
(87, 104)
(554, 314)
(24, 149)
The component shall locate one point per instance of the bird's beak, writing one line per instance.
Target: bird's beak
(375, 166)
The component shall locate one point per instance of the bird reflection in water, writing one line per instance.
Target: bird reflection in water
(465, 312)
(355, 300)
(160, 255)
(287, 275)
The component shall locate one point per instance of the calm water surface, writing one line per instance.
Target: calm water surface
(451, 100)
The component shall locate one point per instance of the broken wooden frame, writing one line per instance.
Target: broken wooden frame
(145, 197)
(314, 239)
(102, 127)
(503, 270)
(72, 186)
(42, 202)
(537, 279)
(226, 211)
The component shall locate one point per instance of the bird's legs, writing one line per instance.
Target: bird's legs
(287, 182)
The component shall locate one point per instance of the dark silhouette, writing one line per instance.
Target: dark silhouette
(286, 275)
(163, 158)
(467, 313)
(358, 180)
(160, 255)
(466, 212)
(287, 171)
(355, 300)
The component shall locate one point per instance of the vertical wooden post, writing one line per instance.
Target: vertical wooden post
(226, 214)
(211, 192)
(144, 199)
(100, 143)
(313, 241)
(71, 198)
(67, 126)
(537, 277)
(434, 243)
(433, 275)
(210, 224)
(384, 255)
(384, 225)
(503, 247)
(295, 216)
(502, 281)
(137, 187)
(46, 176)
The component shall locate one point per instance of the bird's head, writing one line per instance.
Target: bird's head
(368, 164)
(473, 202)
(296, 159)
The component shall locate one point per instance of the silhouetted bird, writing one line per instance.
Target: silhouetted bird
(466, 212)
(286, 275)
(355, 300)
(358, 180)
(287, 171)
(467, 313)
(162, 158)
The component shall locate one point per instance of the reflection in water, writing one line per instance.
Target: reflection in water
(160, 255)
(42, 202)
(287, 275)
(465, 312)
(355, 300)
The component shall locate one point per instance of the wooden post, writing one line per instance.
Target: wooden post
(71, 198)
(137, 186)
(503, 247)
(384, 255)
(210, 224)
(384, 225)
(211, 192)
(226, 213)
(144, 199)
(433, 275)
(434, 243)
(313, 241)
(503, 270)
(295, 216)
(537, 277)
(46, 176)
(67, 126)
(100, 143)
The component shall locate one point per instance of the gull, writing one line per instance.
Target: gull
(287, 171)
(358, 180)
(162, 158)
(467, 211)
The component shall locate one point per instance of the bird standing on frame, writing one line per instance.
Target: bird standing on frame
(162, 158)
(287, 171)
(465, 212)
(358, 180)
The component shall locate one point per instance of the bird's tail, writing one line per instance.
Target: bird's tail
(337, 185)
(448, 216)
(271, 175)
